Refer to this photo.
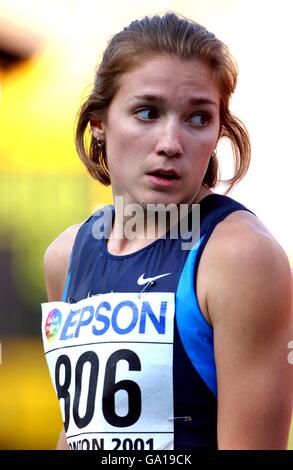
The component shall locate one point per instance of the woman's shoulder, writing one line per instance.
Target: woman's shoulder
(62, 245)
(243, 260)
(243, 240)
(56, 261)
(243, 234)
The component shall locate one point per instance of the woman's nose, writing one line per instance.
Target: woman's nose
(169, 142)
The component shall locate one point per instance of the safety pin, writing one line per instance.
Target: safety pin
(185, 418)
(149, 284)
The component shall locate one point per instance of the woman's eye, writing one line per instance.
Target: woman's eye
(200, 119)
(146, 114)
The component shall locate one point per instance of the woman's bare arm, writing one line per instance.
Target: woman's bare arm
(249, 300)
(56, 264)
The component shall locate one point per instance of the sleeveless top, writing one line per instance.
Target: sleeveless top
(134, 365)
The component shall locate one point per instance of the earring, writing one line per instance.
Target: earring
(100, 143)
(214, 154)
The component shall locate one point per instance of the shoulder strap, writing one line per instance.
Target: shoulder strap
(213, 209)
(87, 243)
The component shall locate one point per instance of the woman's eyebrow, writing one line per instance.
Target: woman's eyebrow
(202, 100)
(158, 99)
(150, 98)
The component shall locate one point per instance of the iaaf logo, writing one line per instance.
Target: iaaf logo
(149, 221)
(53, 324)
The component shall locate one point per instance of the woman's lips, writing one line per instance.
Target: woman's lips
(163, 178)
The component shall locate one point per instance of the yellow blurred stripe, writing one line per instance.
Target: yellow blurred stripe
(30, 416)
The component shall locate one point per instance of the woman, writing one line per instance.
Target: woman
(181, 348)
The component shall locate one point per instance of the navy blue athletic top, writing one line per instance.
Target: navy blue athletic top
(93, 270)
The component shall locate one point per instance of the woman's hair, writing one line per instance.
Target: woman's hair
(185, 39)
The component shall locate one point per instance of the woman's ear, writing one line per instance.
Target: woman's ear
(98, 128)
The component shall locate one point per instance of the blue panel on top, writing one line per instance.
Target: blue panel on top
(195, 332)
(64, 297)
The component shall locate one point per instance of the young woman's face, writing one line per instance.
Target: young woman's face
(160, 130)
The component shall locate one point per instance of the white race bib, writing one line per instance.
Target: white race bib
(110, 358)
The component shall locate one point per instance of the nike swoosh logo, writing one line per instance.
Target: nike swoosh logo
(141, 280)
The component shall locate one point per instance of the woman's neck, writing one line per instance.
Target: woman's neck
(138, 226)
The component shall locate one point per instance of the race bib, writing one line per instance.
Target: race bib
(110, 358)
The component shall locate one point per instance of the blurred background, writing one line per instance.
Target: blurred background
(48, 53)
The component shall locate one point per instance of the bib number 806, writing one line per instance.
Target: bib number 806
(110, 388)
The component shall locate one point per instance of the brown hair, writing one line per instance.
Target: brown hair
(169, 34)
